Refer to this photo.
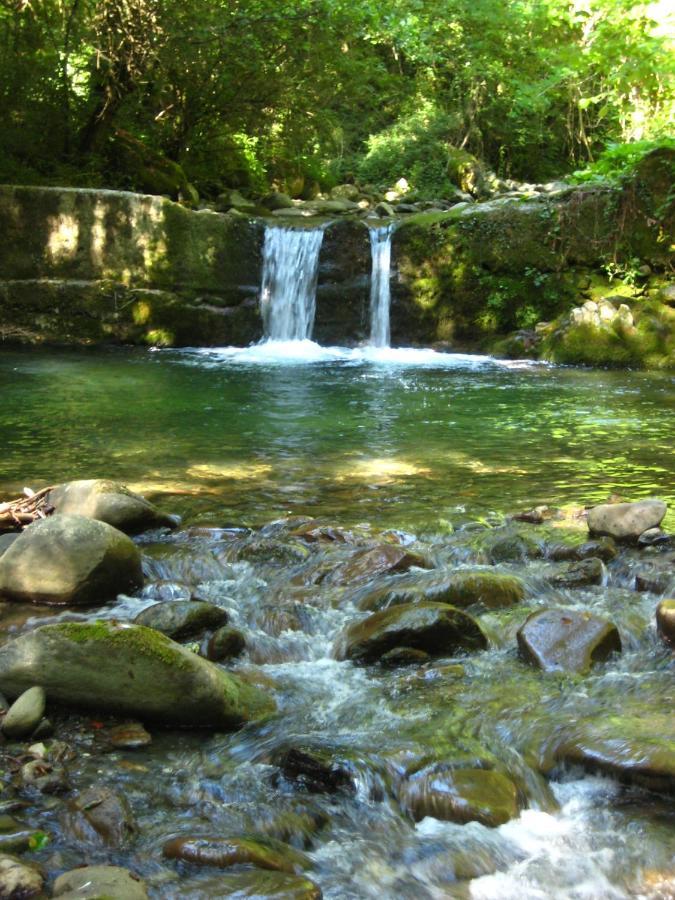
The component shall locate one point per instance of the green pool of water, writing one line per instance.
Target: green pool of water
(405, 445)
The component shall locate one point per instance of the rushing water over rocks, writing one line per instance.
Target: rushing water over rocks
(380, 295)
(418, 771)
(290, 271)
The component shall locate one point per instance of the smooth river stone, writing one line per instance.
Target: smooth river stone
(95, 882)
(665, 621)
(263, 853)
(626, 521)
(463, 588)
(110, 502)
(566, 640)
(66, 560)
(25, 714)
(463, 795)
(436, 628)
(365, 564)
(182, 618)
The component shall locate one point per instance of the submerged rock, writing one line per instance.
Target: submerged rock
(130, 736)
(578, 574)
(131, 670)
(69, 560)
(603, 548)
(100, 815)
(462, 795)
(96, 882)
(565, 640)
(436, 628)
(626, 521)
(24, 715)
(665, 621)
(314, 770)
(108, 502)
(257, 885)
(365, 564)
(636, 748)
(182, 618)
(462, 588)
(261, 852)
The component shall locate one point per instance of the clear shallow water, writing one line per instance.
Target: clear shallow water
(404, 438)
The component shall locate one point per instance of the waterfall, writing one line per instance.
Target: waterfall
(290, 271)
(380, 296)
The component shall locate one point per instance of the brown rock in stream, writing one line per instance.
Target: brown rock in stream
(565, 640)
(264, 853)
(365, 564)
(462, 795)
(665, 621)
(100, 815)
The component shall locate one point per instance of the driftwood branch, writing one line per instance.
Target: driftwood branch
(16, 514)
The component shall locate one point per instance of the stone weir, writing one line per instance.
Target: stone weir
(84, 266)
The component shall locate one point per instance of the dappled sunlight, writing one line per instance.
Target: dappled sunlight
(234, 471)
(98, 235)
(380, 471)
(64, 233)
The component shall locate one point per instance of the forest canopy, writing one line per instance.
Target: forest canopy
(305, 94)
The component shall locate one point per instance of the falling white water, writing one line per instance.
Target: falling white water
(290, 271)
(380, 297)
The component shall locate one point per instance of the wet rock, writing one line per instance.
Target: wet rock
(313, 769)
(15, 836)
(108, 502)
(626, 521)
(6, 541)
(462, 795)
(578, 574)
(129, 736)
(18, 881)
(225, 643)
(639, 748)
(69, 560)
(537, 516)
(366, 564)
(436, 628)
(261, 852)
(652, 537)
(295, 828)
(257, 885)
(462, 588)
(565, 640)
(665, 621)
(603, 548)
(277, 553)
(404, 656)
(131, 670)
(25, 713)
(96, 882)
(312, 532)
(163, 591)
(45, 776)
(182, 618)
(506, 545)
(99, 815)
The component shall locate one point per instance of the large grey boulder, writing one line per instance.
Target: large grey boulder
(626, 521)
(108, 502)
(436, 628)
(128, 669)
(69, 560)
(565, 640)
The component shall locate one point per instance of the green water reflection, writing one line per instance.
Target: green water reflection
(401, 446)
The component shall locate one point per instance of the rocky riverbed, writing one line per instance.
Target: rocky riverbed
(310, 709)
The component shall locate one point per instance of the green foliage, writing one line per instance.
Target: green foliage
(618, 161)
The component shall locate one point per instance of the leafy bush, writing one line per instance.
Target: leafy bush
(618, 160)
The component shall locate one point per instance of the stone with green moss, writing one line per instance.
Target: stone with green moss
(461, 588)
(259, 851)
(130, 670)
(461, 795)
(180, 619)
(257, 883)
(436, 628)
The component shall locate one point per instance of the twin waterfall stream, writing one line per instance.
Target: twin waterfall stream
(290, 275)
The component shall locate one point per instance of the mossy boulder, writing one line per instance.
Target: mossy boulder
(69, 560)
(149, 170)
(462, 588)
(468, 173)
(436, 628)
(461, 795)
(578, 574)
(131, 670)
(108, 501)
(565, 640)
(635, 747)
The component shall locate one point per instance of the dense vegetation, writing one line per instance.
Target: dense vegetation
(305, 93)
